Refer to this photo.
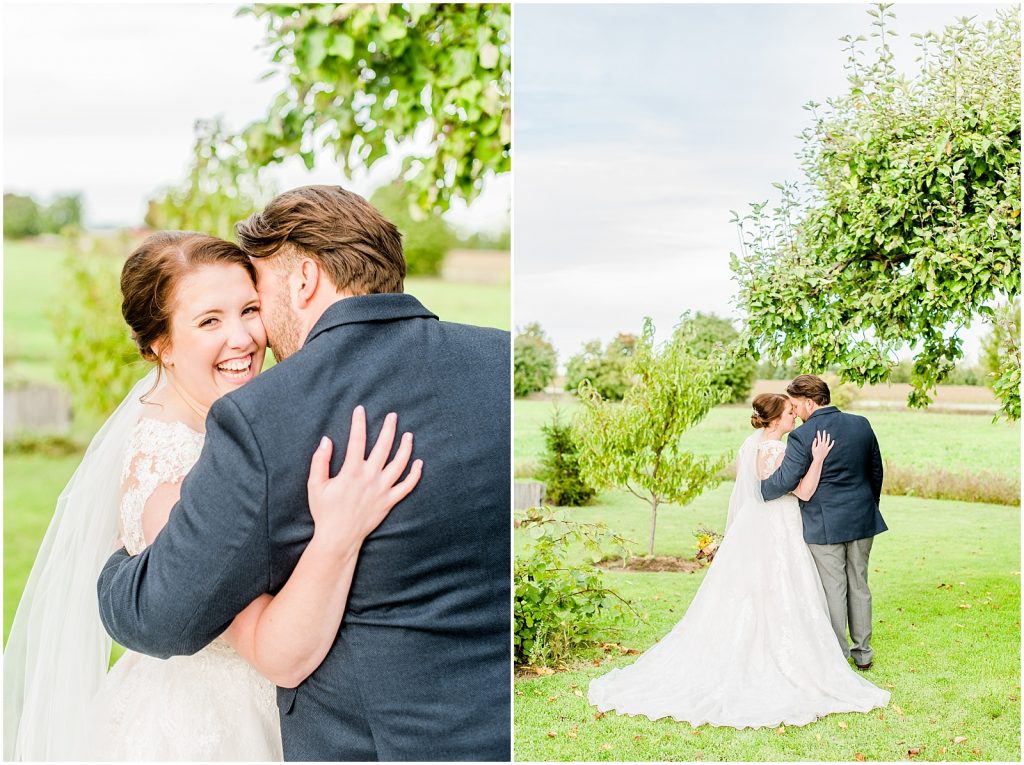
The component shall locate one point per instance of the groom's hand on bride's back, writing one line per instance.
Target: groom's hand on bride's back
(349, 506)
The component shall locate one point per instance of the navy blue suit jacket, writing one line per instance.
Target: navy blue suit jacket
(845, 505)
(421, 665)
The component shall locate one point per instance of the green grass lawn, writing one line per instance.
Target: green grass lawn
(950, 657)
(955, 442)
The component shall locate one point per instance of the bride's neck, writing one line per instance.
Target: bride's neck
(772, 434)
(179, 406)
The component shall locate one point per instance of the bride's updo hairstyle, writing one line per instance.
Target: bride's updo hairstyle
(151, 275)
(768, 407)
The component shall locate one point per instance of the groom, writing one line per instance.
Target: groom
(420, 668)
(842, 518)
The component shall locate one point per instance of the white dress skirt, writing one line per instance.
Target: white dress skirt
(756, 647)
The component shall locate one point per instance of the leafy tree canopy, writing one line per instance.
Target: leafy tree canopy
(364, 77)
(906, 225)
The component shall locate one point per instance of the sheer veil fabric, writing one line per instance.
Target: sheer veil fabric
(755, 647)
(58, 651)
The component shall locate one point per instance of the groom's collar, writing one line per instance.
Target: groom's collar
(386, 306)
(822, 410)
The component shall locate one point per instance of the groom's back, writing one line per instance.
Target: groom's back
(845, 505)
(420, 668)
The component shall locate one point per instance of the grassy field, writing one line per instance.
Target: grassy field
(950, 656)
(955, 442)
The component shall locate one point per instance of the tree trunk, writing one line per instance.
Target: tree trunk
(654, 523)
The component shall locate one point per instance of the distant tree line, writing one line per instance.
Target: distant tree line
(24, 216)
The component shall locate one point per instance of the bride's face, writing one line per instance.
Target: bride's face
(217, 341)
(787, 420)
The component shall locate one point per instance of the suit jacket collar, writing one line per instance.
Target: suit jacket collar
(386, 306)
(822, 410)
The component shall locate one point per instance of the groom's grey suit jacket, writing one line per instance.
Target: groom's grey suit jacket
(845, 506)
(420, 668)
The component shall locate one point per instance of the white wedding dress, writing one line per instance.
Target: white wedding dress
(756, 647)
(211, 706)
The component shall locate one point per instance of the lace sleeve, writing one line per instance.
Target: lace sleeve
(159, 454)
(769, 457)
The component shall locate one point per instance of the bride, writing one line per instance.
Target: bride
(756, 647)
(193, 309)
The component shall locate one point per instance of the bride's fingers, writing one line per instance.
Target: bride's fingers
(402, 489)
(320, 465)
(357, 436)
(396, 467)
(381, 449)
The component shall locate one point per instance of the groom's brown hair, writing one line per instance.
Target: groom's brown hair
(358, 248)
(812, 387)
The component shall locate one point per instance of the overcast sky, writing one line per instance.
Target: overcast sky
(637, 129)
(102, 99)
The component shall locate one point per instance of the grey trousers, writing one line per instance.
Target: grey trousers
(843, 569)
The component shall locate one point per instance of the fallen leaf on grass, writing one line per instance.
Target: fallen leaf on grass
(543, 671)
(629, 651)
(578, 692)
(912, 753)
(598, 715)
(964, 605)
(552, 698)
(890, 685)
(574, 732)
(942, 750)
(881, 717)
(520, 693)
(959, 739)
(780, 730)
(606, 747)
(637, 738)
(597, 662)
(976, 752)
(959, 625)
(552, 734)
(843, 725)
(858, 757)
(817, 737)
(944, 586)
(696, 732)
(575, 685)
(897, 710)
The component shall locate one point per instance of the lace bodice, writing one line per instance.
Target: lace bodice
(158, 453)
(768, 457)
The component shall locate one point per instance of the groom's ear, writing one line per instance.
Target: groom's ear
(309, 280)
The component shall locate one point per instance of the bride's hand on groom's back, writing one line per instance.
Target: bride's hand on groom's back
(347, 507)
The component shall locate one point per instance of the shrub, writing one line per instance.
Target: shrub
(535, 361)
(713, 334)
(560, 467)
(607, 369)
(425, 240)
(65, 210)
(842, 394)
(561, 609)
(21, 216)
(99, 361)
